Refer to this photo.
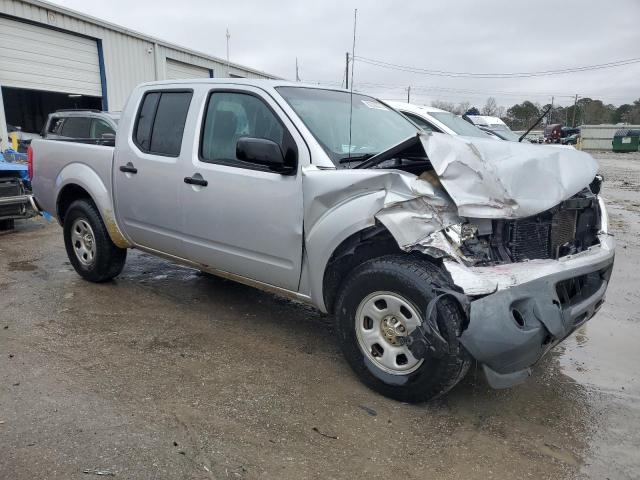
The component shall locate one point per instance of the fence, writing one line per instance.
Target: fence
(599, 137)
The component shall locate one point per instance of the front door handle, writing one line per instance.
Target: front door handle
(129, 168)
(196, 181)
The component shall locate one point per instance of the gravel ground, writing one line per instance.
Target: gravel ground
(171, 375)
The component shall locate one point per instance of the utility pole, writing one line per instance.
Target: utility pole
(409, 94)
(228, 37)
(297, 74)
(550, 118)
(346, 73)
(575, 107)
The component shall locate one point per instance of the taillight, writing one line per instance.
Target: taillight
(30, 162)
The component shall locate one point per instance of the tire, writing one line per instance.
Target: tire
(399, 278)
(95, 258)
(7, 224)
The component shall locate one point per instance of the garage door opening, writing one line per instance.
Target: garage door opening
(28, 109)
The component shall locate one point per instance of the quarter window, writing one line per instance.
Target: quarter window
(160, 123)
(230, 116)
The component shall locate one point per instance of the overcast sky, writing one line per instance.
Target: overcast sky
(486, 36)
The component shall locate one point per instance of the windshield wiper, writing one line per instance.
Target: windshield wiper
(357, 158)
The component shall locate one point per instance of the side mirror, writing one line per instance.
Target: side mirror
(263, 152)
(108, 136)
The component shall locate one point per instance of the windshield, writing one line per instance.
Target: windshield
(374, 126)
(505, 133)
(458, 124)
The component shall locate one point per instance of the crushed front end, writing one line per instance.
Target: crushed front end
(535, 280)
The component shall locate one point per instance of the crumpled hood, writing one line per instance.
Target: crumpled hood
(487, 178)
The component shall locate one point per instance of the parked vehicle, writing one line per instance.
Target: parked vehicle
(431, 119)
(553, 133)
(426, 247)
(15, 201)
(570, 139)
(493, 126)
(85, 126)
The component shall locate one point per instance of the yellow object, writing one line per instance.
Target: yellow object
(13, 138)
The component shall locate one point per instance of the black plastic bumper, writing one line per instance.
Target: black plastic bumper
(510, 330)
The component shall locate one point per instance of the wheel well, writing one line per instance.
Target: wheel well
(364, 245)
(68, 195)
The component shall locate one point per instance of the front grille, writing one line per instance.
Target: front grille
(548, 235)
(530, 239)
(563, 229)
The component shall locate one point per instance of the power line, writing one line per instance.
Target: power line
(434, 89)
(443, 73)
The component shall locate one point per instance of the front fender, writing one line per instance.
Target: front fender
(340, 203)
(331, 230)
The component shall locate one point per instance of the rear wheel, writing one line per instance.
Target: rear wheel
(89, 248)
(384, 301)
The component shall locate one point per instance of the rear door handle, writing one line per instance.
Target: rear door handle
(129, 168)
(196, 181)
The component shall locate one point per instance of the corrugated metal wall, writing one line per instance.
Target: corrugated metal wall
(599, 137)
(129, 59)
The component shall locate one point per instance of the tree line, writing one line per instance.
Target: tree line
(521, 116)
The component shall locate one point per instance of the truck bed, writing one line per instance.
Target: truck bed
(57, 163)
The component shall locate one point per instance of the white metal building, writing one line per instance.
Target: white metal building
(599, 137)
(52, 58)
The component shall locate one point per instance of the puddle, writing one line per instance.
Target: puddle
(22, 266)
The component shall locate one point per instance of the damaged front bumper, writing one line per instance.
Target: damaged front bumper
(519, 311)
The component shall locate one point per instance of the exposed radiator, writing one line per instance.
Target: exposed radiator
(541, 236)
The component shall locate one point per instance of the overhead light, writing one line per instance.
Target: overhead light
(74, 95)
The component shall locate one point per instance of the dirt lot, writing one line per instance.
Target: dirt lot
(170, 375)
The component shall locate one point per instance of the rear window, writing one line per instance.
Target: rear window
(160, 122)
(76, 127)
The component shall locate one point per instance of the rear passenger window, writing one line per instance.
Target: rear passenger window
(76, 127)
(142, 135)
(160, 123)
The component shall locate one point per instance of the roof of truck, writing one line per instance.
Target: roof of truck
(255, 82)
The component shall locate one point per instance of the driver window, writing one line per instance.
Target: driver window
(230, 116)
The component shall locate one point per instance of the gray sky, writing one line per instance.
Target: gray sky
(486, 36)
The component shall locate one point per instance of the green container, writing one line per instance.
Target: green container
(626, 141)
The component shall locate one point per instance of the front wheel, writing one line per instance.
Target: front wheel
(382, 303)
(89, 248)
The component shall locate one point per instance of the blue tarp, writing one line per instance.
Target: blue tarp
(7, 166)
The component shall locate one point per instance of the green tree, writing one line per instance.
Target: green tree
(522, 115)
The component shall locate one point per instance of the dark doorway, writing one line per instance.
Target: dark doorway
(29, 109)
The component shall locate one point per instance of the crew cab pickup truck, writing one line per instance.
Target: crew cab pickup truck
(430, 250)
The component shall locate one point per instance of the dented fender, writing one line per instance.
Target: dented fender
(339, 203)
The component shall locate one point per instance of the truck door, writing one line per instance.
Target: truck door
(239, 217)
(148, 171)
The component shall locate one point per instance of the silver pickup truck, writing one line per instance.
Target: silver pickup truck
(430, 250)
